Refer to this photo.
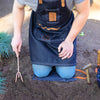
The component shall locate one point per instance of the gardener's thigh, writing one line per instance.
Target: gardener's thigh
(66, 71)
(41, 70)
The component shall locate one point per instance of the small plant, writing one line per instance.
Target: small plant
(2, 84)
(5, 45)
(5, 52)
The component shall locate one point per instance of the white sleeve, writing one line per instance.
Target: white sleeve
(21, 2)
(78, 1)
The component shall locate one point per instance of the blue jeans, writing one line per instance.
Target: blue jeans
(62, 71)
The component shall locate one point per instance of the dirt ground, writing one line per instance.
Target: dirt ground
(87, 47)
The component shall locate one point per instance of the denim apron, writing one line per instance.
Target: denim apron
(49, 26)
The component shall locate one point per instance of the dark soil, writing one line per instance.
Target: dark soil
(87, 47)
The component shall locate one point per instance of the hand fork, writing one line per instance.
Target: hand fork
(18, 74)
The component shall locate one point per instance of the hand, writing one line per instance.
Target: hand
(16, 44)
(65, 49)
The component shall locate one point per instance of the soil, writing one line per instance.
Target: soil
(87, 47)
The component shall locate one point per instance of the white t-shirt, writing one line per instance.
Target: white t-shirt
(34, 3)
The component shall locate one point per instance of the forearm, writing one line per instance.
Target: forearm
(77, 25)
(80, 20)
(18, 17)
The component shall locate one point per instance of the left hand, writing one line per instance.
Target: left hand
(67, 49)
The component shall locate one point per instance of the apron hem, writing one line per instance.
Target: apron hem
(49, 64)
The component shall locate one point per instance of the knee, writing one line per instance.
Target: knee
(41, 74)
(41, 70)
(66, 75)
(66, 72)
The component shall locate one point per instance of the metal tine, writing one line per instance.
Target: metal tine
(18, 74)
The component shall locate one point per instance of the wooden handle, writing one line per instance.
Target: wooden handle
(87, 66)
(88, 77)
(98, 57)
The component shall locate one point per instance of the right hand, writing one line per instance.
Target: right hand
(16, 44)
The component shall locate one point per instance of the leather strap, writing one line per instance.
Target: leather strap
(40, 1)
(63, 3)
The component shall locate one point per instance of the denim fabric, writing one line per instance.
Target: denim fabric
(63, 71)
(45, 52)
(63, 14)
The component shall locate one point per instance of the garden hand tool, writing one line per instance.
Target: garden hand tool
(86, 68)
(18, 74)
(97, 69)
(98, 61)
(98, 58)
